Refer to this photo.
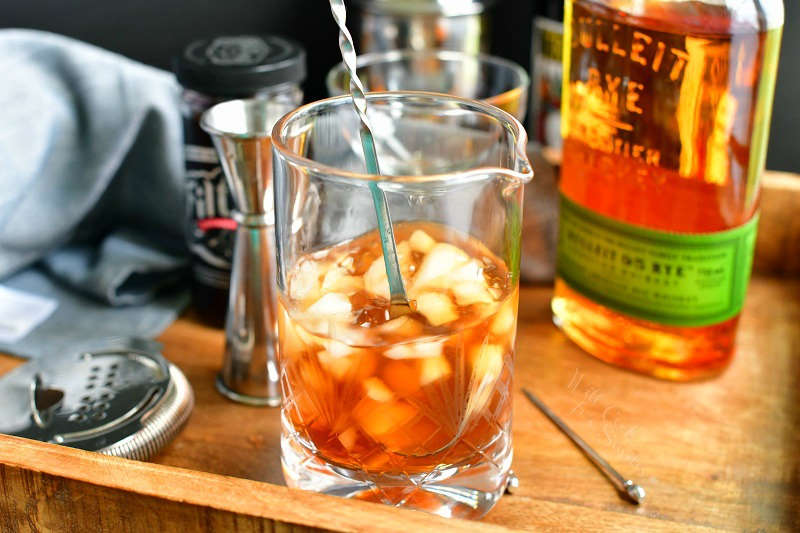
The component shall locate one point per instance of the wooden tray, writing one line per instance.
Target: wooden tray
(716, 454)
(723, 453)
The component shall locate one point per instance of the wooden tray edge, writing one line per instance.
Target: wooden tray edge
(125, 479)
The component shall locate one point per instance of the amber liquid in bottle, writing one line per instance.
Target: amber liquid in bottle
(664, 121)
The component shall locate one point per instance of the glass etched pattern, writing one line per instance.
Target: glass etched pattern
(401, 402)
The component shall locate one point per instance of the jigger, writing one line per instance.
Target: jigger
(241, 131)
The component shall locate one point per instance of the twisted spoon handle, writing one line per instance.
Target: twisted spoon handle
(348, 51)
(399, 300)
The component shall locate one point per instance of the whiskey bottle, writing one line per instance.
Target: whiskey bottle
(665, 117)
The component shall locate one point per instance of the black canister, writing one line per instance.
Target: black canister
(211, 71)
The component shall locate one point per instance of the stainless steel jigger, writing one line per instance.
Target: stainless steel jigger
(241, 131)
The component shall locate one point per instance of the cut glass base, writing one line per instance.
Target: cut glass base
(466, 490)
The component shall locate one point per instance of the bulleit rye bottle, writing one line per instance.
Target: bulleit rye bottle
(665, 117)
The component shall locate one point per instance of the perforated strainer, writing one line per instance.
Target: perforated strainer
(119, 397)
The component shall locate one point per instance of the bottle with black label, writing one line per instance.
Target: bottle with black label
(211, 71)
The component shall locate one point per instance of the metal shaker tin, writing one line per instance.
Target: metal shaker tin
(424, 24)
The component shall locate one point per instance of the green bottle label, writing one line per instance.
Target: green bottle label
(668, 278)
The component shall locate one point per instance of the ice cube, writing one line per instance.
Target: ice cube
(471, 271)
(403, 327)
(380, 419)
(401, 351)
(401, 376)
(328, 316)
(377, 390)
(357, 365)
(404, 256)
(291, 345)
(338, 366)
(332, 304)
(487, 364)
(311, 341)
(440, 262)
(348, 264)
(471, 292)
(415, 350)
(339, 349)
(429, 349)
(503, 321)
(486, 360)
(421, 242)
(433, 369)
(348, 438)
(339, 280)
(437, 308)
(304, 283)
(375, 279)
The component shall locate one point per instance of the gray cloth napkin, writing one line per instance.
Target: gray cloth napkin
(91, 190)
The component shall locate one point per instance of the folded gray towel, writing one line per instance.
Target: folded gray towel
(125, 269)
(91, 185)
(79, 318)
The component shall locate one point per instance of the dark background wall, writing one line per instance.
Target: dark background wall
(152, 31)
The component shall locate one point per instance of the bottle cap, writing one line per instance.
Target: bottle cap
(234, 66)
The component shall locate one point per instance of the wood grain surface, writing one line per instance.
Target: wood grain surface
(51, 488)
(778, 244)
(720, 454)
